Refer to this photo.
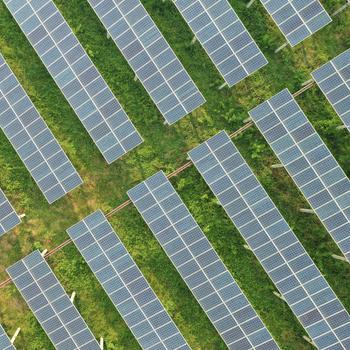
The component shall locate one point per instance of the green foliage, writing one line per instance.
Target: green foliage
(165, 148)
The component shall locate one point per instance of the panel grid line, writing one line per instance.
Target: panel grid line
(297, 21)
(9, 117)
(245, 336)
(333, 199)
(5, 342)
(64, 58)
(272, 241)
(73, 79)
(70, 343)
(237, 70)
(334, 81)
(286, 257)
(91, 225)
(51, 170)
(145, 48)
(175, 95)
(9, 219)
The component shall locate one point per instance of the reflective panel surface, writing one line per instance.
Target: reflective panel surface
(309, 162)
(8, 216)
(297, 19)
(333, 78)
(50, 304)
(76, 76)
(224, 37)
(5, 343)
(150, 56)
(125, 285)
(199, 265)
(273, 242)
(32, 139)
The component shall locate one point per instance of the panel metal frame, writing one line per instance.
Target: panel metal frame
(233, 62)
(187, 104)
(5, 342)
(114, 134)
(10, 215)
(107, 257)
(50, 304)
(336, 73)
(297, 10)
(309, 163)
(199, 265)
(42, 155)
(273, 242)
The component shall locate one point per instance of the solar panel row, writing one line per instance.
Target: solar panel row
(5, 343)
(199, 265)
(309, 162)
(273, 242)
(297, 19)
(32, 139)
(8, 217)
(281, 121)
(50, 304)
(224, 38)
(150, 56)
(76, 76)
(125, 285)
(333, 78)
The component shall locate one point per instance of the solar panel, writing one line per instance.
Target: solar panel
(76, 76)
(309, 162)
(297, 19)
(150, 56)
(32, 139)
(199, 265)
(5, 342)
(333, 78)
(224, 37)
(50, 304)
(273, 242)
(8, 217)
(125, 285)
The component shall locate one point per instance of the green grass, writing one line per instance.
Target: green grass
(165, 148)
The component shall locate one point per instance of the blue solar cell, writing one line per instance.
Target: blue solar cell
(33, 141)
(8, 217)
(333, 78)
(5, 343)
(224, 37)
(297, 19)
(150, 56)
(125, 285)
(309, 162)
(273, 242)
(199, 265)
(50, 304)
(76, 76)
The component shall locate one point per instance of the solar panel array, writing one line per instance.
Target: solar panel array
(297, 19)
(76, 76)
(309, 162)
(50, 304)
(150, 56)
(125, 285)
(224, 38)
(199, 265)
(333, 78)
(32, 139)
(5, 342)
(8, 216)
(273, 242)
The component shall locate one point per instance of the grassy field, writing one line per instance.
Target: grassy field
(165, 148)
